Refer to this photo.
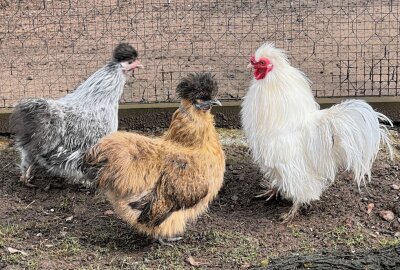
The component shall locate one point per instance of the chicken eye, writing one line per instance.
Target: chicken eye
(262, 63)
(197, 101)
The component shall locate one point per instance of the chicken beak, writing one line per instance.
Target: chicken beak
(137, 64)
(206, 105)
(215, 102)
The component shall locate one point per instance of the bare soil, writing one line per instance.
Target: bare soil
(67, 227)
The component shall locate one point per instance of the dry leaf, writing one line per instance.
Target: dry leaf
(13, 250)
(370, 207)
(386, 215)
(395, 187)
(192, 261)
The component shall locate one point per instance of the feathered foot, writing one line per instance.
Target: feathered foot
(27, 177)
(288, 217)
(165, 242)
(268, 195)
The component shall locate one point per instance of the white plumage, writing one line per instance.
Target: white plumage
(299, 147)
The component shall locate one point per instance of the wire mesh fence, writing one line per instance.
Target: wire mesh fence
(346, 47)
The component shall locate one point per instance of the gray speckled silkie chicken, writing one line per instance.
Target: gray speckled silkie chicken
(55, 134)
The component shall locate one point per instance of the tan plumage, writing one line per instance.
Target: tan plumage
(158, 184)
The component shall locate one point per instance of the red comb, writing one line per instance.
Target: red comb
(253, 59)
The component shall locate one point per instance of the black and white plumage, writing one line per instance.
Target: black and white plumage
(55, 134)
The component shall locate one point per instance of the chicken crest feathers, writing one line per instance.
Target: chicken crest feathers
(269, 48)
(197, 86)
(124, 52)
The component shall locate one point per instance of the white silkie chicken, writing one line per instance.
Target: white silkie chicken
(299, 147)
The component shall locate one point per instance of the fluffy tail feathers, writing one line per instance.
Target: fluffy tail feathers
(33, 121)
(358, 135)
(26, 113)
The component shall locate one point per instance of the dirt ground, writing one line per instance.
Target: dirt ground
(67, 227)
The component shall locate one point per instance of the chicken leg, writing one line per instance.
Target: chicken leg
(26, 176)
(288, 217)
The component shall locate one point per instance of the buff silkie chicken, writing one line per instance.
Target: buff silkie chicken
(158, 184)
(55, 134)
(299, 147)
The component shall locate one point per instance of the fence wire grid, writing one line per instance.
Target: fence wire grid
(347, 48)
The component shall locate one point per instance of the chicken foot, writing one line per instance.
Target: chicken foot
(268, 195)
(165, 242)
(26, 176)
(288, 217)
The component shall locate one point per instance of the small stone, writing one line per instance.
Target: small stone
(39, 235)
(395, 187)
(365, 199)
(386, 215)
(68, 219)
(397, 234)
(109, 212)
(51, 210)
(396, 209)
(395, 226)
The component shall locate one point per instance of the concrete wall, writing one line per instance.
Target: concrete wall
(158, 115)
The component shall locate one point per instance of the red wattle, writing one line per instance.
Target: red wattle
(259, 73)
